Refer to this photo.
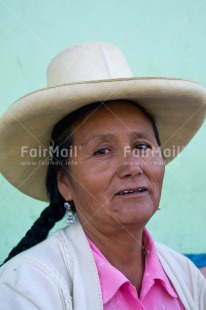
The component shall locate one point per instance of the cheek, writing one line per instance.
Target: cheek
(89, 183)
(158, 171)
(155, 171)
(97, 176)
(158, 185)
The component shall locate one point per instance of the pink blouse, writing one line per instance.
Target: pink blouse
(157, 292)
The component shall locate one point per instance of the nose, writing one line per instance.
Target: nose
(130, 166)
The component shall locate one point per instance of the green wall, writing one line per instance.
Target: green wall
(159, 38)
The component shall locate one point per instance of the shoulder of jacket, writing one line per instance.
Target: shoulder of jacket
(185, 276)
(51, 259)
(174, 259)
(30, 277)
(165, 250)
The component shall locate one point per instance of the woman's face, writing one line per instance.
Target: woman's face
(116, 172)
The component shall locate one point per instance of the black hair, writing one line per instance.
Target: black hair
(61, 139)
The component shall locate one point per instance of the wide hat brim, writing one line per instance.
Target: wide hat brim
(178, 106)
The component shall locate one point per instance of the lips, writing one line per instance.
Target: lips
(130, 191)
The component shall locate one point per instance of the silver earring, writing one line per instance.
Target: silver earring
(70, 218)
(158, 208)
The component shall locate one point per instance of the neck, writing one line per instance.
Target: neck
(123, 249)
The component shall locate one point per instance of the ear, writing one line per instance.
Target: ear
(64, 185)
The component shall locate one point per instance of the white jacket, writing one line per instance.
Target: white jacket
(60, 273)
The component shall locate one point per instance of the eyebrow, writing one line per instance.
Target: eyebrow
(143, 135)
(110, 136)
(100, 137)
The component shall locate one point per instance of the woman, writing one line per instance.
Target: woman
(105, 165)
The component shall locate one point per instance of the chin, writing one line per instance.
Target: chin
(133, 220)
(133, 214)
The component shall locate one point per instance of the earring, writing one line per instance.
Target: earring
(70, 218)
(158, 208)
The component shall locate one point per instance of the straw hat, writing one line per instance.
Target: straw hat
(84, 74)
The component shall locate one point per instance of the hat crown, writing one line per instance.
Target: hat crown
(88, 62)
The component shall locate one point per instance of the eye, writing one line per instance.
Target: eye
(102, 151)
(142, 146)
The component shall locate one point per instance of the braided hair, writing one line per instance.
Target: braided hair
(62, 139)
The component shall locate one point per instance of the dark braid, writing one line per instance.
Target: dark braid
(61, 140)
(39, 230)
